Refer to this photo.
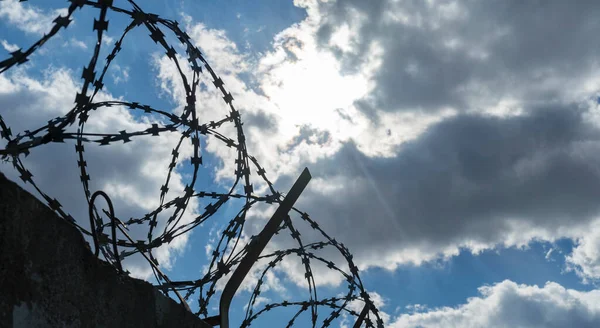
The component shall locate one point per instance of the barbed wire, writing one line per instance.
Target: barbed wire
(229, 250)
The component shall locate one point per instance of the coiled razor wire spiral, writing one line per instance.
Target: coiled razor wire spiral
(189, 125)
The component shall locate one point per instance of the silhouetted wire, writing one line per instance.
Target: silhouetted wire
(190, 127)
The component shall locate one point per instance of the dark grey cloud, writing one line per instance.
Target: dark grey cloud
(260, 120)
(463, 180)
(310, 135)
(500, 48)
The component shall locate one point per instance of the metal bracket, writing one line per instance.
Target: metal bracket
(255, 248)
(113, 227)
(116, 223)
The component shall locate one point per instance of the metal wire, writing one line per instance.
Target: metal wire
(229, 250)
(113, 225)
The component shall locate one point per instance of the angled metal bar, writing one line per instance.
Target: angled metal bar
(361, 316)
(255, 248)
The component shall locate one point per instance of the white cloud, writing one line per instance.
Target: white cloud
(78, 44)
(585, 258)
(8, 46)
(29, 18)
(290, 89)
(131, 174)
(107, 40)
(508, 304)
(548, 255)
(119, 74)
(266, 136)
(357, 306)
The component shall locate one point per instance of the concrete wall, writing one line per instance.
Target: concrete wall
(48, 278)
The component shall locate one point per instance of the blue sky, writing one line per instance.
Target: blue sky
(453, 150)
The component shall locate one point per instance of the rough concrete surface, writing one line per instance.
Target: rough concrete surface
(48, 278)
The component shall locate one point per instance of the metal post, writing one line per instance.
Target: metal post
(361, 316)
(255, 248)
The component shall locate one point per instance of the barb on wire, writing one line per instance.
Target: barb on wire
(231, 248)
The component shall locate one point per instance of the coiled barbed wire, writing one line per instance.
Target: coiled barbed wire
(191, 127)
